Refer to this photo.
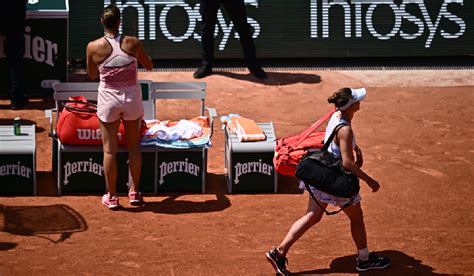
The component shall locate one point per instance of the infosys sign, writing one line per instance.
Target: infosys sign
(309, 28)
(427, 23)
(159, 12)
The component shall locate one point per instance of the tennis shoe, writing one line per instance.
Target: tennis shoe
(278, 261)
(136, 198)
(112, 202)
(374, 262)
(203, 71)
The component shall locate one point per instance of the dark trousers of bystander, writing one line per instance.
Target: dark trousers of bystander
(238, 15)
(12, 24)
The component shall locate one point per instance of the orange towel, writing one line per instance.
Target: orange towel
(247, 130)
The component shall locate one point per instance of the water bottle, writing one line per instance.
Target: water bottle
(17, 126)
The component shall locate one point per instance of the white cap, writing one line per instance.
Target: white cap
(357, 96)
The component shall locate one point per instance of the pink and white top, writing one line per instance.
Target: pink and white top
(119, 69)
(119, 93)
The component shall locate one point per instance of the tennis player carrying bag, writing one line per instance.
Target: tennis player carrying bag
(321, 169)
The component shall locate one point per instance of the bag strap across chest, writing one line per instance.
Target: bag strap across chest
(331, 137)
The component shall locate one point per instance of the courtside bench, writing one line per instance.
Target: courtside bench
(79, 167)
(249, 165)
(18, 161)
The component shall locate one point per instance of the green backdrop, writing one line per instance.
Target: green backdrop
(58, 31)
(284, 29)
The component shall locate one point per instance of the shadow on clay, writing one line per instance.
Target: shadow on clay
(401, 264)
(274, 78)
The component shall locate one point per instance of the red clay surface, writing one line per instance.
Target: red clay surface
(415, 128)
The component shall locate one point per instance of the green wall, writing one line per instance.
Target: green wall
(298, 28)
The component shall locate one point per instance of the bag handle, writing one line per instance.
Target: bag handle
(314, 126)
(347, 204)
(331, 137)
(92, 109)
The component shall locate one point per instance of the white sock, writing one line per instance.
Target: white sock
(364, 254)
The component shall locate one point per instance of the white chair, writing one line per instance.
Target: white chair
(182, 170)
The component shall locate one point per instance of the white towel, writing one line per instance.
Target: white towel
(184, 129)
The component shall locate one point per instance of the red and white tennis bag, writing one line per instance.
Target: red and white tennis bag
(78, 123)
(289, 150)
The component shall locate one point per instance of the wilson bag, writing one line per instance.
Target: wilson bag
(78, 123)
(324, 171)
(289, 150)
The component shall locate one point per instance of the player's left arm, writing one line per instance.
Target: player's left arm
(92, 70)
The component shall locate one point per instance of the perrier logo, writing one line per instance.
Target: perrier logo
(36, 48)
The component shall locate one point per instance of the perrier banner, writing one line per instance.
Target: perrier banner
(46, 47)
(170, 29)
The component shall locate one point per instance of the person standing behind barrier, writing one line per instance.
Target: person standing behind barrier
(12, 25)
(238, 15)
(347, 101)
(114, 57)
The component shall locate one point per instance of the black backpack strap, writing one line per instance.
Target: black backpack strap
(331, 137)
(347, 204)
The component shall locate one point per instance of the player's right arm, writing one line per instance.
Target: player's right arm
(133, 46)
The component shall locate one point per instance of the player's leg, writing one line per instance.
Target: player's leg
(132, 136)
(110, 144)
(365, 261)
(277, 255)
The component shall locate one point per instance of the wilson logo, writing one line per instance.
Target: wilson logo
(92, 134)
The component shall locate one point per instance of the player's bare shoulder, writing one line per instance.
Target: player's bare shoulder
(130, 39)
(345, 131)
(130, 44)
(97, 44)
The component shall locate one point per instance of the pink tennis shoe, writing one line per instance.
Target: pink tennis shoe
(112, 202)
(136, 198)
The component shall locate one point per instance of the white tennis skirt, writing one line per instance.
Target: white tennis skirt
(330, 199)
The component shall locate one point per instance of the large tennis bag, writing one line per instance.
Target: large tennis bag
(78, 123)
(290, 150)
(323, 170)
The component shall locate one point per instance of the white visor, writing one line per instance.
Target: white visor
(357, 96)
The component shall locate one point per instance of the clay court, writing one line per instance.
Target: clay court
(415, 128)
